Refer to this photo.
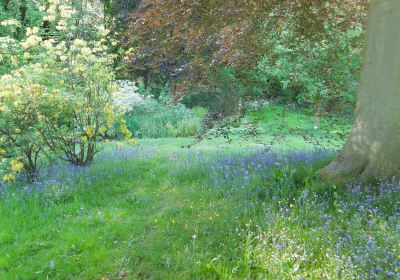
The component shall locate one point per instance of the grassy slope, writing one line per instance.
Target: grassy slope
(297, 127)
(155, 214)
(139, 224)
(293, 127)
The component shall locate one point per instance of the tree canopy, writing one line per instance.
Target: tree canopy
(181, 40)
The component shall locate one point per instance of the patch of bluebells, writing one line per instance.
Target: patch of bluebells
(357, 239)
(193, 163)
(243, 170)
(126, 153)
(58, 181)
(382, 199)
(376, 209)
(58, 184)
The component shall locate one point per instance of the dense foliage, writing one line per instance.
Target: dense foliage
(56, 93)
(307, 49)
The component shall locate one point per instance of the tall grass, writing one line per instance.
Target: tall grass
(155, 120)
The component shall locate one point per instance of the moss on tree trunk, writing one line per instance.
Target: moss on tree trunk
(373, 148)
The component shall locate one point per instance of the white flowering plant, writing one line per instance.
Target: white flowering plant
(126, 96)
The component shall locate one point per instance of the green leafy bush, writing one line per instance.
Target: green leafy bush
(320, 73)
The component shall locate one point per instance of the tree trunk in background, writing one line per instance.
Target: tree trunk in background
(22, 11)
(107, 7)
(316, 114)
(5, 5)
(373, 148)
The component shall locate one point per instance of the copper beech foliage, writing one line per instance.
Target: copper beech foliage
(182, 39)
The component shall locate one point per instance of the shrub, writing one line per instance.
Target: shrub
(58, 100)
(126, 96)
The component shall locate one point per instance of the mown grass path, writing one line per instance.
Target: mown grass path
(143, 226)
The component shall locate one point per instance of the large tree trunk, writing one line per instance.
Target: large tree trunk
(373, 148)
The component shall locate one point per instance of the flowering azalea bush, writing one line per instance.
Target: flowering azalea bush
(127, 96)
(57, 100)
(19, 120)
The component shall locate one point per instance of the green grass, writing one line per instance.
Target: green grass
(290, 128)
(158, 215)
(218, 210)
(293, 127)
(293, 130)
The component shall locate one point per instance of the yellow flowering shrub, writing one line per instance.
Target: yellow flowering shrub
(57, 100)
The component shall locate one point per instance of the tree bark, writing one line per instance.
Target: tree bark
(22, 12)
(317, 112)
(5, 4)
(373, 148)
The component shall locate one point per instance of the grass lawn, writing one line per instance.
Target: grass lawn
(161, 212)
(216, 211)
(289, 129)
(294, 128)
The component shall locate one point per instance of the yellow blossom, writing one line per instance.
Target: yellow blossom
(9, 177)
(103, 31)
(89, 131)
(10, 22)
(51, 10)
(14, 61)
(31, 31)
(3, 108)
(49, 18)
(31, 41)
(48, 44)
(62, 25)
(79, 43)
(16, 165)
(66, 11)
(86, 51)
(60, 45)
